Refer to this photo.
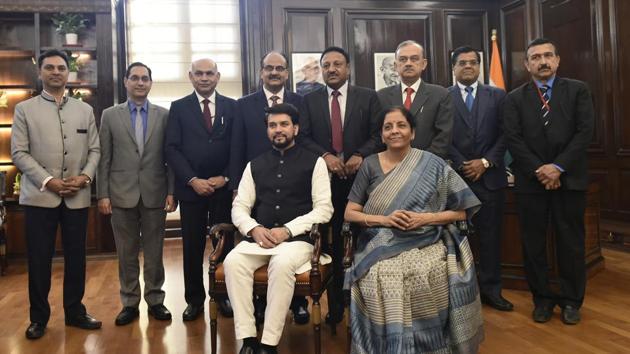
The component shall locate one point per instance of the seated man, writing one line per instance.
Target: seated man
(282, 193)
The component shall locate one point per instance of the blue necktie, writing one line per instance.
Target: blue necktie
(544, 110)
(469, 98)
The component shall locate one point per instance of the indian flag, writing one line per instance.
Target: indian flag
(496, 71)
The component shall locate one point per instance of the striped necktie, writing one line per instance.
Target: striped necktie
(544, 90)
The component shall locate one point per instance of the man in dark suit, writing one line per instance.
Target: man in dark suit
(198, 149)
(340, 124)
(431, 105)
(477, 154)
(548, 126)
(249, 139)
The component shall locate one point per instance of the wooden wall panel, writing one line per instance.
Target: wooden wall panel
(622, 78)
(467, 28)
(514, 41)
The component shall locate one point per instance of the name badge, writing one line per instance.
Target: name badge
(82, 131)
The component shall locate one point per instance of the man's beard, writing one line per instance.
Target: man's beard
(281, 145)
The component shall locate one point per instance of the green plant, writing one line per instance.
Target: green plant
(73, 64)
(68, 23)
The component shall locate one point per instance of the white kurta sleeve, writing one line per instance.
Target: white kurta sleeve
(243, 203)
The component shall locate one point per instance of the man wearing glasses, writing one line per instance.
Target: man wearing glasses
(249, 139)
(136, 189)
(477, 154)
(431, 105)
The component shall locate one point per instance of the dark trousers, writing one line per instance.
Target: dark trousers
(340, 189)
(195, 218)
(488, 223)
(41, 231)
(565, 211)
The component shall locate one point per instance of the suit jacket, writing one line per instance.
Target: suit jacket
(361, 132)
(124, 175)
(433, 109)
(58, 142)
(563, 141)
(249, 133)
(191, 151)
(479, 133)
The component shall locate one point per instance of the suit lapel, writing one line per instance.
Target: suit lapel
(419, 100)
(218, 112)
(481, 105)
(195, 110)
(460, 106)
(351, 103)
(151, 122)
(125, 119)
(323, 99)
(395, 96)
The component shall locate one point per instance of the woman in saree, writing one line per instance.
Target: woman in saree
(412, 284)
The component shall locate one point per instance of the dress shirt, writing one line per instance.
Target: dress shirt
(269, 94)
(212, 104)
(342, 98)
(144, 114)
(320, 190)
(415, 87)
(549, 84)
(462, 89)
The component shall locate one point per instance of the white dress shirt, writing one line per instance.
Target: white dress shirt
(415, 87)
(462, 90)
(212, 104)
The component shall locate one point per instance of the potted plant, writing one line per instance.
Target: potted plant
(69, 24)
(73, 69)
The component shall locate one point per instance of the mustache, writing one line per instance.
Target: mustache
(544, 66)
(274, 77)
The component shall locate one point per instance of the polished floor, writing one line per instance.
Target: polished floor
(605, 327)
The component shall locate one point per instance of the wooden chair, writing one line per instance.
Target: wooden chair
(311, 283)
(349, 246)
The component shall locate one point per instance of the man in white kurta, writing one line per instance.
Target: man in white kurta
(282, 193)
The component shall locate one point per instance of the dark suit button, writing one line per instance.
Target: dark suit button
(210, 140)
(63, 122)
(277, 191)
(137, 151)
(276, 224)
(65, 153)
(277, 207)
(64, 136)
(281, 161)
(279, 175)
(65, 169)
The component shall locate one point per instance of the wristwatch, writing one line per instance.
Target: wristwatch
(485, 162)
(227, 179)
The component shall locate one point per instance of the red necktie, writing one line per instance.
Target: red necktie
(407, 103)
(207, 116)
(335, 118)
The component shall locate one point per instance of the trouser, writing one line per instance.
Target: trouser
(565, 210)
(239, 280)
(195, 218)
(41, 233)
(488, 223)
(135, 228)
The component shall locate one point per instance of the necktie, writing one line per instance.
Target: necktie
(207, 116)
(544, 109)
(409, 92)
(469, 98)
(335, 117)
(139, 131)
(274, 100)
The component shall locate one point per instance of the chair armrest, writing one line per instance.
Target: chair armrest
(316, 236)
(220, 232)
(348, 245)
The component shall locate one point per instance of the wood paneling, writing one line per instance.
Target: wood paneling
(513, 42)
(468, 28)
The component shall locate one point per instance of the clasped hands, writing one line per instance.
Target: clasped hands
(343, 171)
(549, 176)
(68, 186)
(206, 187)
(406, 220)
(473, 169)
(269, 238)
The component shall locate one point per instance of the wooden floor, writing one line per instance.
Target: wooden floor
(605, 326)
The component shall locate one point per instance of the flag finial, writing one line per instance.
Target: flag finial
(494, 35)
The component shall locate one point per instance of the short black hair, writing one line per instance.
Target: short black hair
(52, 53)
(132, 65)
(283, 108)
(405, 112)
(262, 59)
(462, 50)
(335, 49)
(541, 41)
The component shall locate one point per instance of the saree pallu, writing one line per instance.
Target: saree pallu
(415, 291)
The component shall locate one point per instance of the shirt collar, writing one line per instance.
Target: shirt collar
(463, 87)
(415, 86)
(48, 97)
(144, 106)
(343, 90)
(549, 82)
(212, 97)
(268, 93)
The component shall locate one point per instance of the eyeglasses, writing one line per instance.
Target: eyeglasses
(270, 68)
(463, 63)
(134, 78)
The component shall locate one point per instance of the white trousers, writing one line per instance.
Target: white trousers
(240, 265)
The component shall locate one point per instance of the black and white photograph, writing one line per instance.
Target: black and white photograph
(385, 73)
(307, 73)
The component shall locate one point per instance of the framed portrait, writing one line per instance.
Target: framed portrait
(385, 73)
(307, 73)
(482, 75)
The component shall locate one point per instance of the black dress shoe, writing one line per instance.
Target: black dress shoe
(543, 312)
(84, 321)
(160, 312)
(267, 349)
(570, 315)
(300, 314)
(35, 330)
(192, 312)
(497, 302)
(225, 307)
(250, 346)
(126, 316)
(260, 305)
